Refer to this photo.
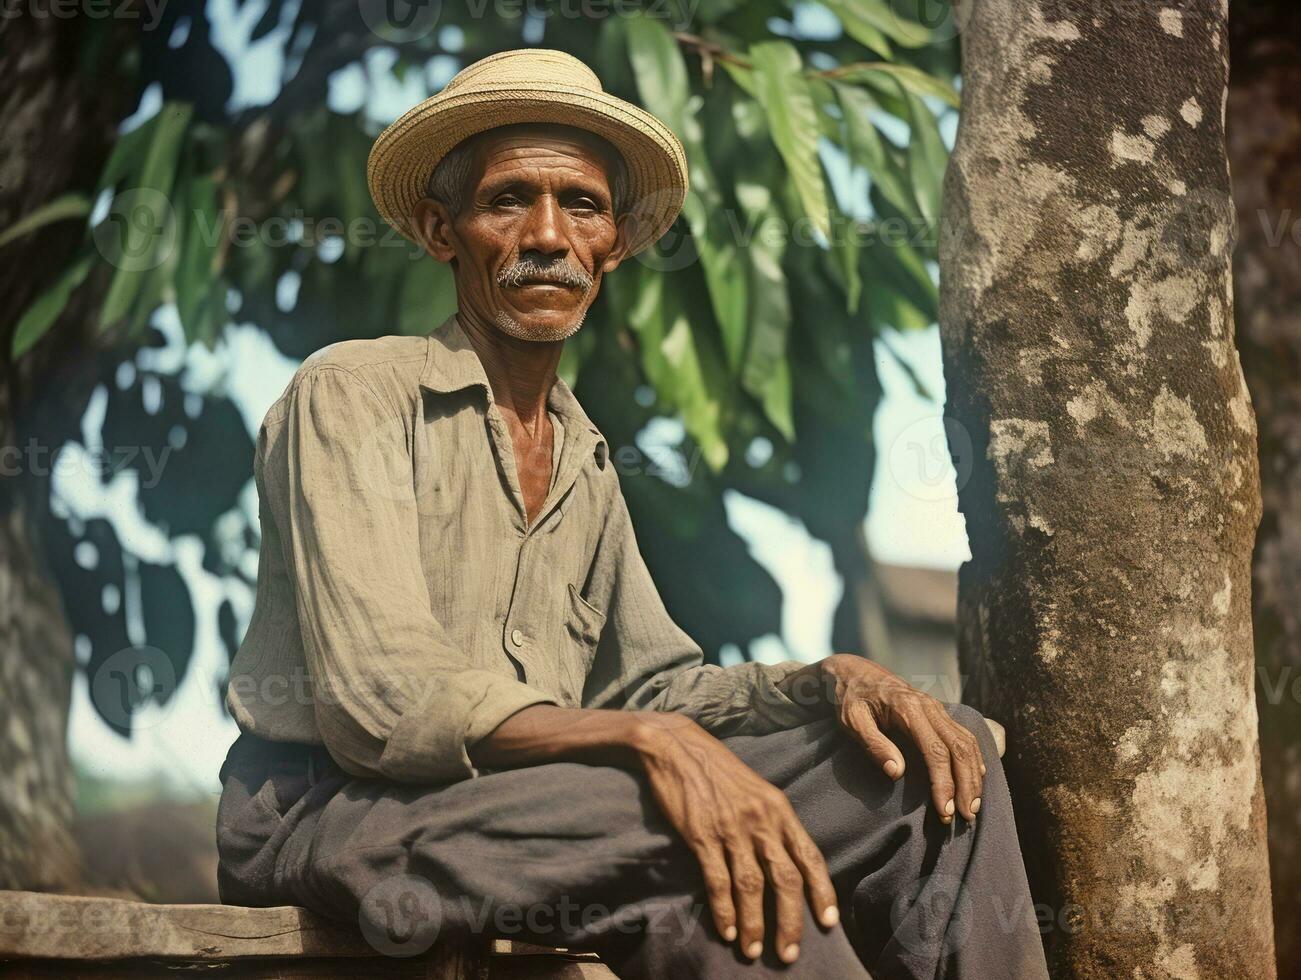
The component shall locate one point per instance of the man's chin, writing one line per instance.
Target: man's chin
(539, 329)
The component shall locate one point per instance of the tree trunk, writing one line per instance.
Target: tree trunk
(62, 99)
(1105, 616)
(36, 847)
(1265, 152)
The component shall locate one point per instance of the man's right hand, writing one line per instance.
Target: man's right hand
(742, 829)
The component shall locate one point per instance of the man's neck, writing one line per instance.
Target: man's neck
(520, 372)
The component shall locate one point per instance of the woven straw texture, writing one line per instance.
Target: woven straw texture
(530, 86)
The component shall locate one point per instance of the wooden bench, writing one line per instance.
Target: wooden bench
(63, 936)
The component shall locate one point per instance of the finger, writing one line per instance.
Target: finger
(788, 901)
(747, 893)
(718, 889)
(939, 762)
(878, 746)
(964, 751)
(817, 879)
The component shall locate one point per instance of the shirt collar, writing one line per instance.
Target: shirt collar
(452, 364)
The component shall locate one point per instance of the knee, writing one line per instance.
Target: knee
(990, 734)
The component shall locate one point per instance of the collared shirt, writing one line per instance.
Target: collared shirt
(405, 604)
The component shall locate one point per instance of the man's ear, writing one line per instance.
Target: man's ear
(431, 224)
(623, 224)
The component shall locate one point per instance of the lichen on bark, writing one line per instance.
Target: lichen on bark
(1086, 314)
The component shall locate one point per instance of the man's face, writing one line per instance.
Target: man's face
(536, 232)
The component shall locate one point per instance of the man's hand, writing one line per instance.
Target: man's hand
(744, 832)
(870, 701)
(742, 829)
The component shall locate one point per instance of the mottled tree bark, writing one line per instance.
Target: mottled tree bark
(1105, 616)
(61, 101)
(1264, 132)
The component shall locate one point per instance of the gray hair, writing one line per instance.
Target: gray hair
(450, 180)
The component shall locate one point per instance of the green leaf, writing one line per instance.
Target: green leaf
(677, 364)
(428, 297)
(704, 11)
(62, 208)
(128, 154)
(927, 158)
(868, 149)
(196, 271)
(883, 76)
(743, 77)
(143, 233)
(870, 21)
(660, 72)
(860, 29)
(767, 371)
(888, 307)
(664, 88)
(918, 385)
(843, 257)
(45, 310)
(787, 98)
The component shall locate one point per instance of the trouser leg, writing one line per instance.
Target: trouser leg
(920, 899)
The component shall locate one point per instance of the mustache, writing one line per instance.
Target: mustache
(557, 271)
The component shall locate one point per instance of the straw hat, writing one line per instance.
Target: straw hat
(531, 85)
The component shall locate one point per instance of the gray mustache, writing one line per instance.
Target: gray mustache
(559, 272)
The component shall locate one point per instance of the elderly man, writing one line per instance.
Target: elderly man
(464, 709)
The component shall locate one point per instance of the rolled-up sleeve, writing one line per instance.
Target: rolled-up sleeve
(392, 696)
(646, 662)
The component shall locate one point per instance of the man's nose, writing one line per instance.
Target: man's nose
(543, 233)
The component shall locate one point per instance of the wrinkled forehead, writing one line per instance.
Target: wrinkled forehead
(549, 144)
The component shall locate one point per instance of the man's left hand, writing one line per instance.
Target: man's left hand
(870, 701)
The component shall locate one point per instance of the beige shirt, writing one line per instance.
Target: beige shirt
(405, 607)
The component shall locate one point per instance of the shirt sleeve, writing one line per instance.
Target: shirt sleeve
(646, 662)
(392, 696)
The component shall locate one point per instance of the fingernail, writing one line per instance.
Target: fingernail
(729, 933)
(948, 808)
(753, 950)
(830, 916)
(891, 768)
(983, 770)
(791, 953)
(975, 805)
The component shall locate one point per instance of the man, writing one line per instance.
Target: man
(459, 678)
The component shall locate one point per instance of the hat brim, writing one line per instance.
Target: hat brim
(405, 155)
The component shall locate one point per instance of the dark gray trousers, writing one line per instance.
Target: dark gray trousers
(573, 855)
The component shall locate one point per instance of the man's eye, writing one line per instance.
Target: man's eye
(506, 201)
(584, 204)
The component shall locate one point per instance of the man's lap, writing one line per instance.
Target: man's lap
(486, 854)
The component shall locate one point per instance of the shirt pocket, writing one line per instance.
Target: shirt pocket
(583, 625)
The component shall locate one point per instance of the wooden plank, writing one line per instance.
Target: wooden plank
(34, 925)
(547, 967)
(69, 936)
(380, 968)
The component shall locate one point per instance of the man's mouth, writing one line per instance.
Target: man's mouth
(541, 284)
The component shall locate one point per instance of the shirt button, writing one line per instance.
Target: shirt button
(517, 637)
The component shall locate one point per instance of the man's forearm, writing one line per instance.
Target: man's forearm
(547, 733)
